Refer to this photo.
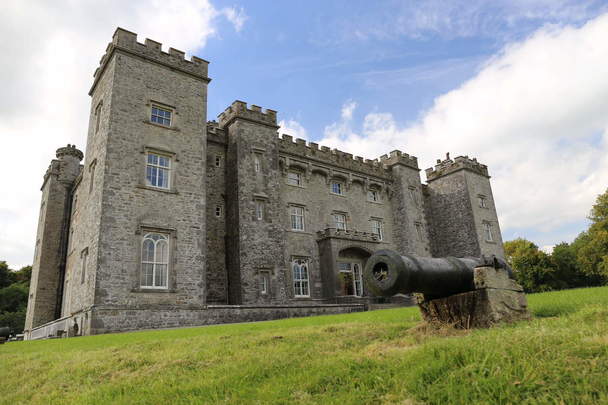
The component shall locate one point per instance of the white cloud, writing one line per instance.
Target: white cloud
(293, 128)
(50, 51)
(536, 113)
(236, 16)
(348, 109)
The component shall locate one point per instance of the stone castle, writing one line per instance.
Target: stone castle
(173, 220)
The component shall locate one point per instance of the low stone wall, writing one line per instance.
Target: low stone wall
(108, 320)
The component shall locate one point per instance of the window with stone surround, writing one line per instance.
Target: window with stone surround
(339, 220)
(257, 162)
(218, 211)
(97, 116)
(483, 201)
(294, 178)
(92, 174)
(161, 115)
(218, 160)
(84, 256)
(412, 192)
(378, 228)
(373, 195)
(299, 267)
(264, 282)
(155, 260)
(419, 233)
(259, 209)
(158, 170)
(297, 217)
(487, 230)
(337, 187)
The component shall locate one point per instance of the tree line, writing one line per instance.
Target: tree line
(582, 263)
(14, 289)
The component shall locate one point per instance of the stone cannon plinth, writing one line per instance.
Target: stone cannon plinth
(462, 292)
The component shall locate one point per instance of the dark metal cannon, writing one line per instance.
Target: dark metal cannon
(5, 332)
(387, 273)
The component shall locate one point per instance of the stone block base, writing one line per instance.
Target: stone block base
(496, 299)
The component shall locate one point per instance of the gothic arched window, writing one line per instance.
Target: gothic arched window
(300, 277)
(155, 260)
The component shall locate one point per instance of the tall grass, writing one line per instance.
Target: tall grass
(380, 357)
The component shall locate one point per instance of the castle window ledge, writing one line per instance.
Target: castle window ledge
(299, 232)
(161, 126)
(154, 290)
(348, 234)
(490, 242)
(162, 190)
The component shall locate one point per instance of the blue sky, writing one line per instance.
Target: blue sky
(521, 85)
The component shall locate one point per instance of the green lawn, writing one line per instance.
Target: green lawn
(380, 357)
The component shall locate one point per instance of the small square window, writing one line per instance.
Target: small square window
(218, 211)
(337, 187)
(161, 116)
(218, 160)
(483, 201)
(373, 195)
(294, 178)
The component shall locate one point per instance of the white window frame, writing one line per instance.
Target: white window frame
(301, 284)
(296, 217)
(487, 227)
(373, 195)
(336, 187)
(165, 169)
(378, 228)
(357, 275)
(339, 220)
(156, 262)
(264, 282)
(160, 116)
(260, 207)
(294, 178)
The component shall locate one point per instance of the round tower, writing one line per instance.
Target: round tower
(69, 162)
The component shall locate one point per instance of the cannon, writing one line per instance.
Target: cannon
(388, 273)
(5, 332)
(461, 292)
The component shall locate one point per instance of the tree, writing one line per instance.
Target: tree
(592, 246)
(532, 267)
(6, 275)
(14, 289)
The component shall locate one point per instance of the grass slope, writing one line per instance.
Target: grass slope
(380, 357)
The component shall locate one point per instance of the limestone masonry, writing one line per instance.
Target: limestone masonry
(173, 220)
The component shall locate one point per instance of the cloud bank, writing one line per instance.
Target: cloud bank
(536, 113)
(51, 51)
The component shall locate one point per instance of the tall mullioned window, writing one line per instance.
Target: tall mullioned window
(373, 195)
(97, 116)
(158, 169)
(155, 260)
(294, 178)
(339, 221)
(483, 201)
(377, 228)
(297, 218)
(161, 116)
(300, 278)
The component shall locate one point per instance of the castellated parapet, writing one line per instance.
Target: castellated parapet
(238, 109)
(151, 50)
(447, 166)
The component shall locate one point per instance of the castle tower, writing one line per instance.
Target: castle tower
(461, 209)
(49, 258)
(255, 235)
(410, 229)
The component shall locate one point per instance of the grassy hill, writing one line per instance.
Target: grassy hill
(381, 357)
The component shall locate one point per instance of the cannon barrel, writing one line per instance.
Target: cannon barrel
(387, 273)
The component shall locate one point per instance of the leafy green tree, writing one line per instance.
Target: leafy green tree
(14, 289)
(532, 267)
(592, 246)
(6, 275)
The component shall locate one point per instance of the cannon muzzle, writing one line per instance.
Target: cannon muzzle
(387, 273)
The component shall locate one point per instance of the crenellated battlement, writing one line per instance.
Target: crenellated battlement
(336, 157)
(446, 166)
(215, 133)
(238, 109)
(126, 41)
(69, 150)
(398, 157)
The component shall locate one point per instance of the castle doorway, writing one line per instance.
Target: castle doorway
(350, 263)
